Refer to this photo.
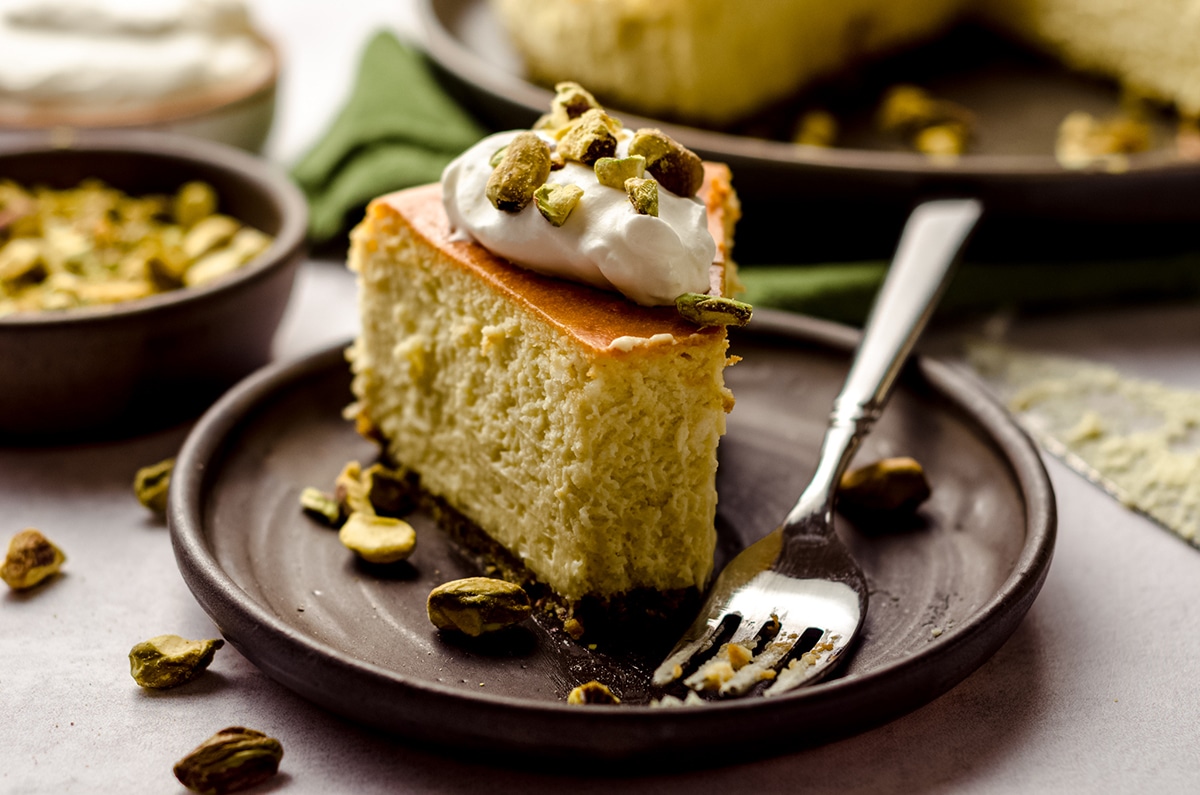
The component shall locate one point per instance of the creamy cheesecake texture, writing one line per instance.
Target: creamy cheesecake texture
(1152, 48)
(715, 61)
(575, 428)
(711, 61)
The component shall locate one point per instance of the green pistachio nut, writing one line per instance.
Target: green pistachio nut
(590, 137)
(613, 171)
(711, 310)
(522, 169)
(676, 167)
(476, 605)
(643, 195)
(378, 539)
(555, 202)
(233, 759)
(169, 660)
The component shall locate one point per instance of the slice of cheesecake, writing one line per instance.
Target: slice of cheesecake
(574, 428)
(715, 62)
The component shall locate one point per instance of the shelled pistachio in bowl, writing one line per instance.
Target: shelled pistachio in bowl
(107, 367)
(93, 244)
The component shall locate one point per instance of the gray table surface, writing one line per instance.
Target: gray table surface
(1097, 691)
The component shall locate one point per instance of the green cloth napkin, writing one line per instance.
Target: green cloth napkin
(844, 291)
(398, 129)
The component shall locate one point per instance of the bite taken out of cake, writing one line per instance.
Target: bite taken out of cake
(543, 344)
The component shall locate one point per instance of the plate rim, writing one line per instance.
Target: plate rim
(628, 736)
(450, 54)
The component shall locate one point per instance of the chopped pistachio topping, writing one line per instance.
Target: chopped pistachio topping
(613, 171)
(378, 539)
(886, 486)
(31, 559)
(677, 168)
(151, 484)
(233, 759)
(523, 168)
(320, 505)
(592, 692)
(643, 195)
(570, 102)
(497, 156)
(555, 202)
(591, 137)
(169, 660)
(476, 605)
(712, 310)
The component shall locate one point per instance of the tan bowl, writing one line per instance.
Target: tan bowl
(237, 113)
(108, 371)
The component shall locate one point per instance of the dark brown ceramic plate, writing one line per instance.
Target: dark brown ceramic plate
(356, 640)
(812, 203)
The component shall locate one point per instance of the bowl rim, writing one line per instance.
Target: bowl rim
(288, 243)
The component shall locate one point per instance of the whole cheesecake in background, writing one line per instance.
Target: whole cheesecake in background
(574, 427)
(714, 62)
(191, 66)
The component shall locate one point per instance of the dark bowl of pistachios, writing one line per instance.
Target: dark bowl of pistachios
(140, 275)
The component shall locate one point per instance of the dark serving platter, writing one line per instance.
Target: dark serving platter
(355, 639)
(806, 204)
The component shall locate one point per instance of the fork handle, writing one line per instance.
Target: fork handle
(933, 238)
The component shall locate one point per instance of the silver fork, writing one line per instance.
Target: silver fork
(797, 596)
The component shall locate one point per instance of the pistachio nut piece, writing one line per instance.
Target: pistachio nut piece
(350, 491)
(592, 692)
(942, 140)
(31, 559)
(233, 759)
(476, 605)
(713, 310)
(613, 171)
(523, 168)
(169, 661)
(151, 484)
(375, 490)
(389, 491)
(194, 201)
(555, 202)
(209, 234)
(677, 168)
(320, 505)
(643, 195)
(571, 101)
(591, 137)
(888, 485)
(378, 539)
(816, 128)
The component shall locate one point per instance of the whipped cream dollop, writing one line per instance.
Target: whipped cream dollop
(604, 242)
(104, 52)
